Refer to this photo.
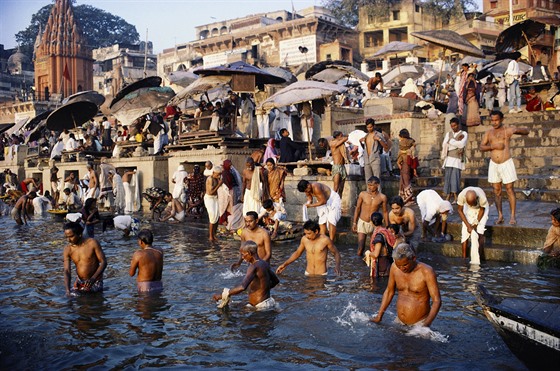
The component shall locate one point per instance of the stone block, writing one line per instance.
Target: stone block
(302, 171)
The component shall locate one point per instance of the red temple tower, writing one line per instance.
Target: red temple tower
(63, 62)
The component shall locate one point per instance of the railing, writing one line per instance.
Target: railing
(545, 4)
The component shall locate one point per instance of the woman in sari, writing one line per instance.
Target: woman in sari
(274, 182)
(470, 96)
(404, 161)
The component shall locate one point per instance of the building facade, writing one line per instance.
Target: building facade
(63, 62)
(16, 76)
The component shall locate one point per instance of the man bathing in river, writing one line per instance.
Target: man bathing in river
(316, 245)
(88, 257)
(259, 279)
(257, 234)
(416, 283)
(149, 263)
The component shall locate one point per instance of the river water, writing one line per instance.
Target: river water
(319, 322)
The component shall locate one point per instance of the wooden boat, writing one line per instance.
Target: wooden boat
(529, 328)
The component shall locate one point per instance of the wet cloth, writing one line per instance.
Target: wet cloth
(364, 227)
(149, 286)
(339, 169)
(471, 213)
(79, 286)
(179, 177)
(431, 204)
(123, 222)
(502, 173)
(252, 197)
(118, 191)
(267, 304)
(179, 216)
(211, 203)
(331, 211)
(16, 215)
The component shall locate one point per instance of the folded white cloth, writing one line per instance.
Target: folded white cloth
(304, 214)
(224, 301)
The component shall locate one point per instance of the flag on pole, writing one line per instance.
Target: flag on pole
(66, 74)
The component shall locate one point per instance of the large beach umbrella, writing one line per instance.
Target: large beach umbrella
(449, 40)
(281, 72)
(395, 47)
(182, 78)
(241, 68)
(302, 91)
(334, 72)
(5, 127)
(36, 126)
(89, 95)
(519, 35)
(498, 68)
(200, 86)
(140, 102)
(71, 115)
(31, 124)
(148, 82)
(402, 73)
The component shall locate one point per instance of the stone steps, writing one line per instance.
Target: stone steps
(502, 253)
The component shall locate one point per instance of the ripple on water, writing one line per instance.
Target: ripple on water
(320, 322)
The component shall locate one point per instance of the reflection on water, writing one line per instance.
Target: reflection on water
(319, 322)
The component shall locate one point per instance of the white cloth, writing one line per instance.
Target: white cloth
(119, 192)
(41, 204)
(252, 197)
(449, 144)
(304, 215)
(331, 211)
(430, 204)
(57, 150)
(74, 217)
(471, 213)
(71, 144)
(122, 222)
(211, 203)
(179, 177)
(409, 87)
(513, 69)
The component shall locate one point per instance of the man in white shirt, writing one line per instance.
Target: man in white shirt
(452, 153)
(434, 211)
(473, 210)
(71, 144)
(512, 77)
(57, 149)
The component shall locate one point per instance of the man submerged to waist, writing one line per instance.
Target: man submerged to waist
(149, 263)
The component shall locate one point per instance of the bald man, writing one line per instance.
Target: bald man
(473, 209)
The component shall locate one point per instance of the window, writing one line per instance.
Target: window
(417, 8)
(396, 15)
(373, 39)
(493, 4)
(329, 57)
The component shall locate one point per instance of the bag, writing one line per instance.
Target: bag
(509, 79)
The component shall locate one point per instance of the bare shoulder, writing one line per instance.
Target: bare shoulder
(409, 212)
(426, 269)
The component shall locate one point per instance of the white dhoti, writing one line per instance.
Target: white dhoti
(92, 193)
(177, 191)
(180, 216)
(262, 125)
(128, 199)
(331, 211)
(211, 203)
(472, 217)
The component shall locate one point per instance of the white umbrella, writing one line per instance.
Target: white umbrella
(182, 78)
(355, 136)
(302, 91)
(200, 86)
(335, 72)
(402, 73)
(141, 102)
(395, 47)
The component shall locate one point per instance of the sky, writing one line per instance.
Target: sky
(168, 22)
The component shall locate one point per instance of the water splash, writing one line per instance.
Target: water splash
(228, 274)
(351, 315)
(423, 332)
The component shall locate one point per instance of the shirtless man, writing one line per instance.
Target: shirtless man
(369, 202)
(501, 168)
(211, 201)
(416, 283)
(250, 201)
(374, 143)
(149, 263)
(328, 204)
(19, 212)
(93, 185)
(316, 245)
(339, 158)
(259, 235)
(175, 211)
(405, 217)
(88, 257)
(259, 279)
(29, 184)
(55, 185)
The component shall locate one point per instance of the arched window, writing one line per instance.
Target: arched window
(181, 67)
(215, 32)
(223, 30)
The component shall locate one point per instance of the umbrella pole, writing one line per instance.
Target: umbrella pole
(440, 71)
(308, 139)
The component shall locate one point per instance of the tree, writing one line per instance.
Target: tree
(99, 28)
(347, 11)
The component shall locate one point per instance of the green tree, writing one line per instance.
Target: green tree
(100, 28)
(346, 11)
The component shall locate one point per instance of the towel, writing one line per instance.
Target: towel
(224, 301)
